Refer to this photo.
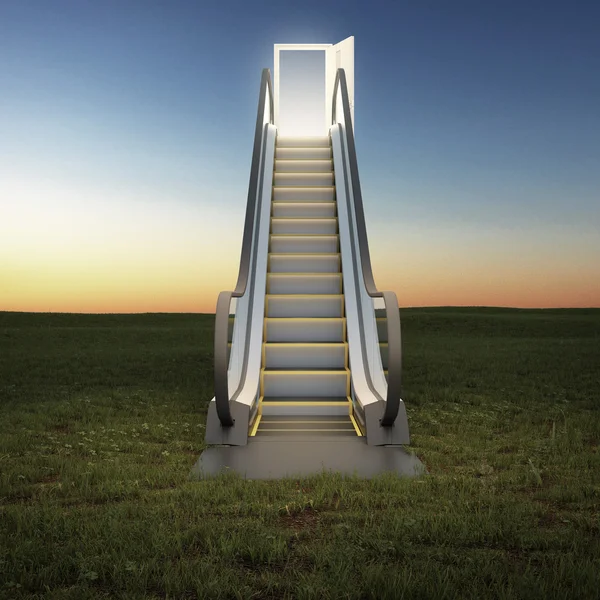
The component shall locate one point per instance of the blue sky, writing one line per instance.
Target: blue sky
(473, 120)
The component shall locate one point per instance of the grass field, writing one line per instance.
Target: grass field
(102, 418)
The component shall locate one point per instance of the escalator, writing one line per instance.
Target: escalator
(305, 378)
(307, 350)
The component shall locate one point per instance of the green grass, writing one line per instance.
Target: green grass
(102, 418)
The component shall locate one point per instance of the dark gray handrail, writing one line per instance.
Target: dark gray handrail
(392, 405)
(223, 302)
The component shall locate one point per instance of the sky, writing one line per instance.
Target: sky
(126, 134)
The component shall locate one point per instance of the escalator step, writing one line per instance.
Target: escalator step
(306, 425)
(305, 432)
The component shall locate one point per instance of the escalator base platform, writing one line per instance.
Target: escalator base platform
(278, 457)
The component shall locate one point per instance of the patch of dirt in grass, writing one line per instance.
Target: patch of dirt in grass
(549, 505)
(156, 593)
(292, 564)
(520, 560)
(194, 453)
(302, 520)
(334, 503)
(549, 519)
(94, 502)
(48, 479)
(159, 487)
(17, 499)
(61, 428)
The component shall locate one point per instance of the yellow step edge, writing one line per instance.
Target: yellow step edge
(304, 256)
(292, 296)
(307, 422)
(256, 424)
(297, 319)
(298, 254)
(277, 171)
(348, 381)
(305, 173)
(305, 160)
(309, 148)
(338, 275)
(356, 427)
(299, 187)
(304, 187)
(308, 175)
(304, 403)
(302, 345)
(305, 371)
(319, 344)
(305, 234)
(348, 402)
(305, 219)
(330, 190)
(276, 205)
(320, 319)
(309, 160)
(310, 204)
(313, 430)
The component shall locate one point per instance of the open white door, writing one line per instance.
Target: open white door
(340, 56)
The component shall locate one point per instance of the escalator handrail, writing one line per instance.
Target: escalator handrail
(390, 300)
(223, 303)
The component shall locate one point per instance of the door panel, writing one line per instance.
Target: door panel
(340, 56)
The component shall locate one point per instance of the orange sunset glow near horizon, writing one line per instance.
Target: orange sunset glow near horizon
(137, 256)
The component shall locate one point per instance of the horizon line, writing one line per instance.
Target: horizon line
(478, 306)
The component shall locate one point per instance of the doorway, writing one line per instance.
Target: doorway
(303, 82)
(302, 92)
